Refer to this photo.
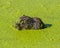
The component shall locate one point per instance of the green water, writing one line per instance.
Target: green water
(47, 10)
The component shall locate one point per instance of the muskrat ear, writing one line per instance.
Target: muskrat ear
(22, 16)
